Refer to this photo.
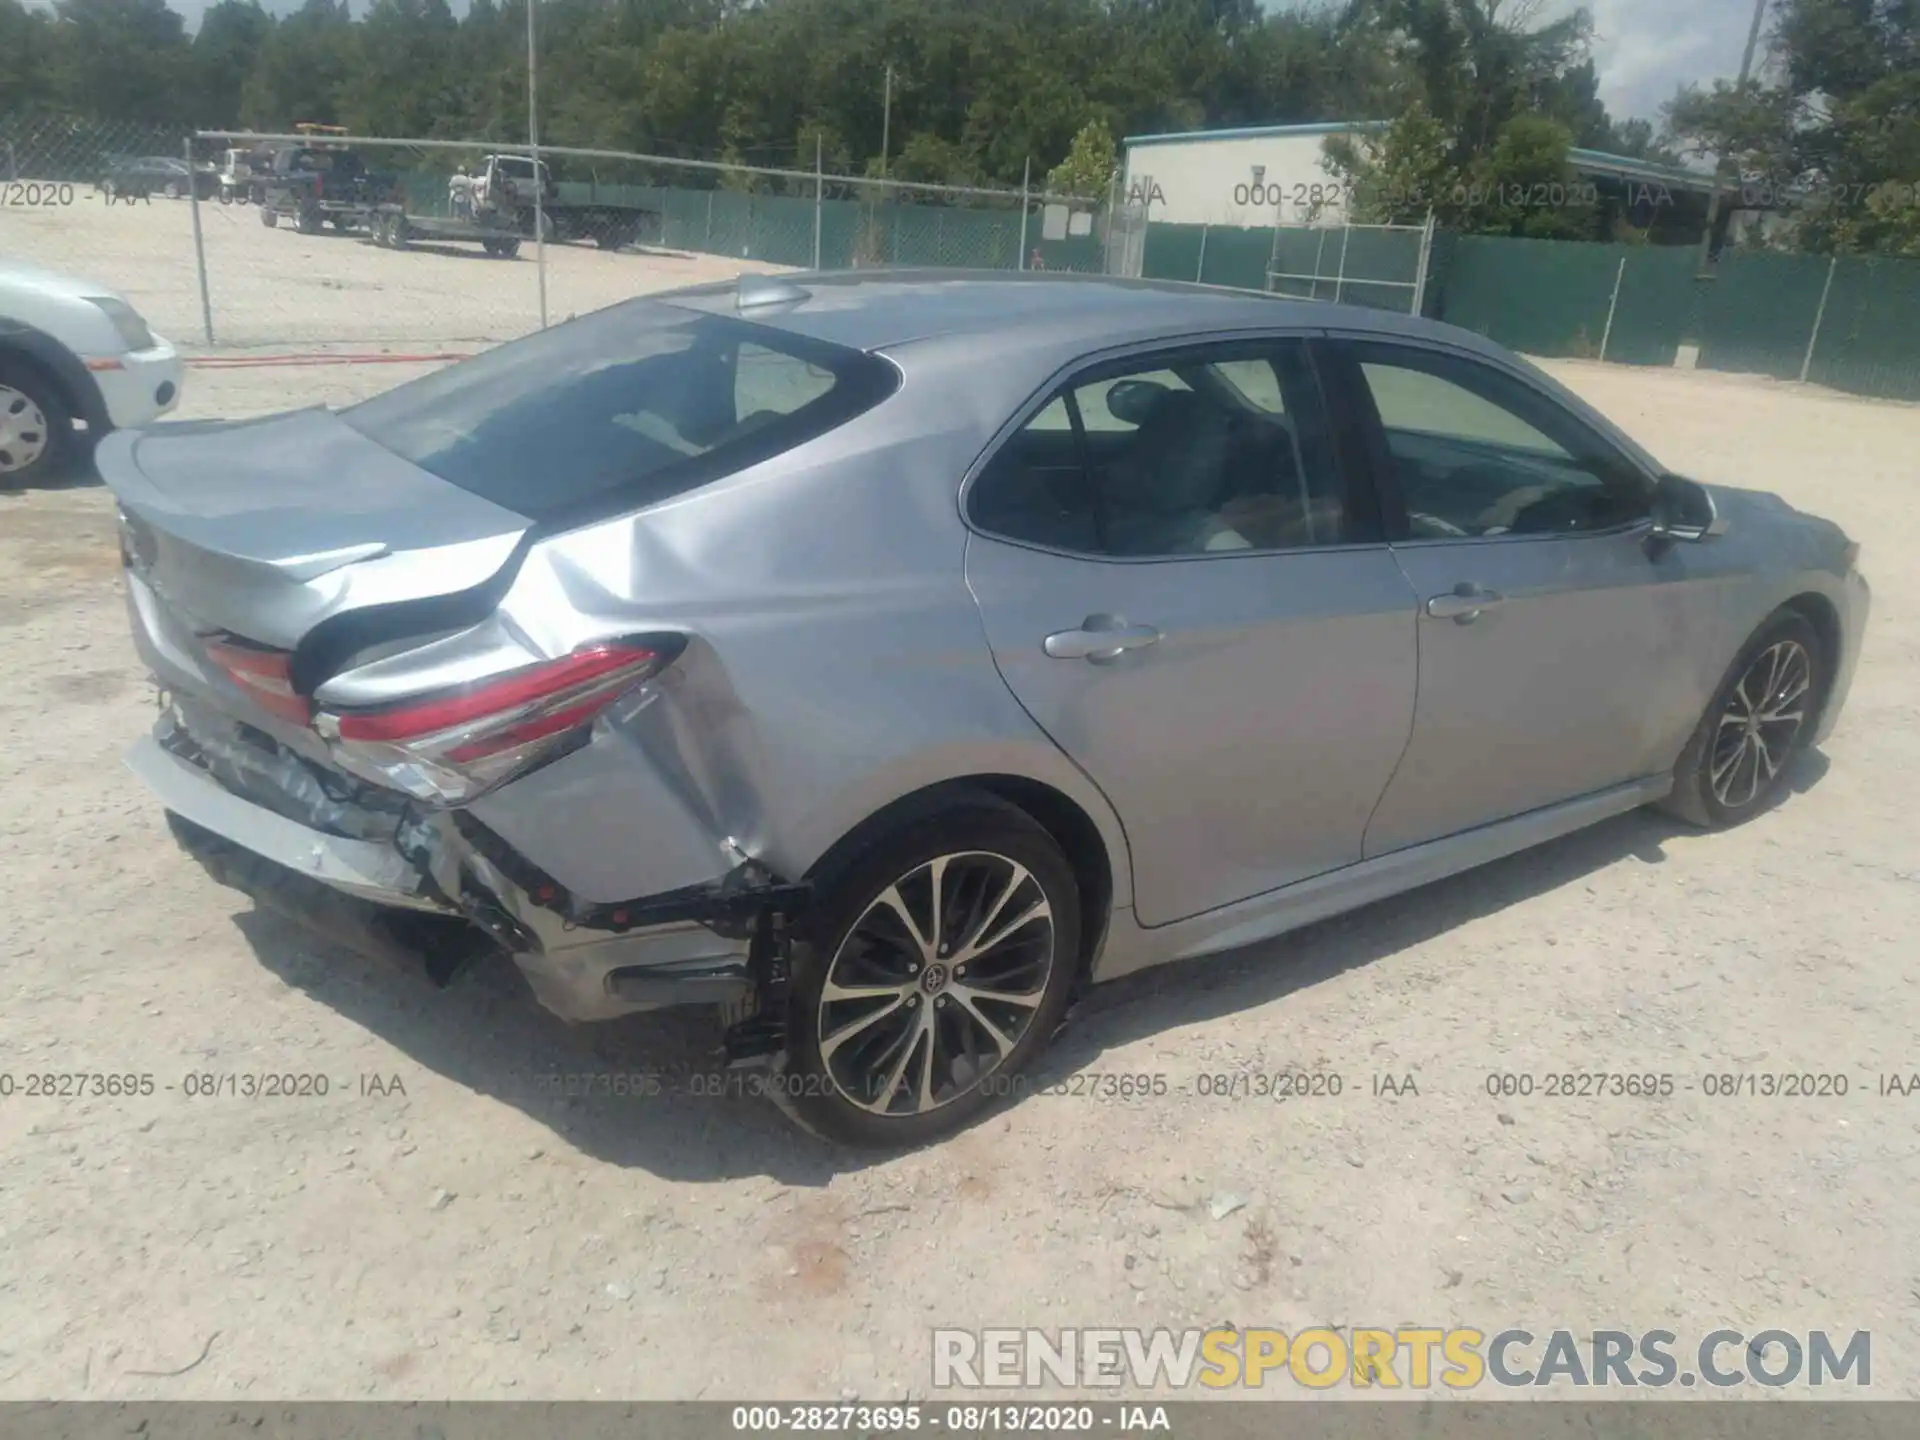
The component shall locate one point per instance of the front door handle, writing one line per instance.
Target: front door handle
(1463, 603)
(1100, 639)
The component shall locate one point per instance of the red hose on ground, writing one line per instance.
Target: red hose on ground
(243, 362)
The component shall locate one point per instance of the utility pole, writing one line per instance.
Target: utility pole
(1720, 165)
(1753, 40)
(533, 147)
(886, 122)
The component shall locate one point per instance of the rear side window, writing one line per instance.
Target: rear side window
(1213, 449)
(622, 408)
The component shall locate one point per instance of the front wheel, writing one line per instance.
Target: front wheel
(1761, 716)
(269, 217)
(35, 430)
(939, 963)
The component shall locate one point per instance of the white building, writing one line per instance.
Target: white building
(1263, 175)
(1260, 175)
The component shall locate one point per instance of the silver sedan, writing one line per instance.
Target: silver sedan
(883, 657)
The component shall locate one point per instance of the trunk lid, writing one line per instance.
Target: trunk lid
(265, 528)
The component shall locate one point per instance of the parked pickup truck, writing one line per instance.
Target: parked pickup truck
(503, 186)
(315, 185)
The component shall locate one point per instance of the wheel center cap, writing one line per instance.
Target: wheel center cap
(933, 979)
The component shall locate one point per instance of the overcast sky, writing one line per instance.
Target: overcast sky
(1644, 48)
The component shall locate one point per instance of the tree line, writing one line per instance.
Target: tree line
(979, 86)
(1483, 96)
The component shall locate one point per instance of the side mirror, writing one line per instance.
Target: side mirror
(1683, 511)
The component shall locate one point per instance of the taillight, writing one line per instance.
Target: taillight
(264, 675)
(452, 745)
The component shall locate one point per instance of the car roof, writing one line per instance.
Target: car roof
(887, 309)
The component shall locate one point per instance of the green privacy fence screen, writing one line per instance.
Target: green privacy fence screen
(1569, 298)
(1363, 266)
(1758, 312)
(749, 225)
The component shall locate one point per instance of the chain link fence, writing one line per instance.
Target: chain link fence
(1849, 322)
(319, 238)
(40, 149)
(1383, 266)
(177, 223)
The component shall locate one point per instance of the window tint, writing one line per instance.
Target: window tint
(1254, 381)
(1206, 453)
(621, 408)
(771, 383)
(1093, 398)
(1475, 452)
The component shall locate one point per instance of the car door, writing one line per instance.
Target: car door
(1182, 588)
(1552, 637)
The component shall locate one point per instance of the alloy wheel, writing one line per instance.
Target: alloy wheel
(23, 430)
(1763, 718)
(936, 983)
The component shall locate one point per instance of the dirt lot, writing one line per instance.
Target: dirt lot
(468, 1233)
(278, 287)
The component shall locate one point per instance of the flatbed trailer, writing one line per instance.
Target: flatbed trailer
(391, 226)
(608, 226)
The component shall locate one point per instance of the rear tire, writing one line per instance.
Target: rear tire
(1761, 716)
(269, 217)
(895, 1040)
(36, 432)
(307, 221)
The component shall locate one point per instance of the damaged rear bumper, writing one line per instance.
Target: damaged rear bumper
(365, 868)
(378, 887)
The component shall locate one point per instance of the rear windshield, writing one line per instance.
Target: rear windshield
(621, 408)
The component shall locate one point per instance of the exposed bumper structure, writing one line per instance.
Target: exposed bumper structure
(362, 868)
(440, 885)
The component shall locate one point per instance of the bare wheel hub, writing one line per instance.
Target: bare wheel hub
(23, 430)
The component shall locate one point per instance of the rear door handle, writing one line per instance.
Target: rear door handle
(1100, 638)
(1463, 603)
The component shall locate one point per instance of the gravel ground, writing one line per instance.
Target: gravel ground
(278, 287)
(440, 1225)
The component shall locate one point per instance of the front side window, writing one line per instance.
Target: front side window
(1210, 451)
(1474, 452)
(621, 408)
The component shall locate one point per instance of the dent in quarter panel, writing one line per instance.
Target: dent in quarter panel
(836, 663)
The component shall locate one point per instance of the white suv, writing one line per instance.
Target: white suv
(72, 351)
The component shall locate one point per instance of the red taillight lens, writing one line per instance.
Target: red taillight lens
(450, 746)
(264, 675)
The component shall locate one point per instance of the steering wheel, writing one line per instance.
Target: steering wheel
(1572, 509)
